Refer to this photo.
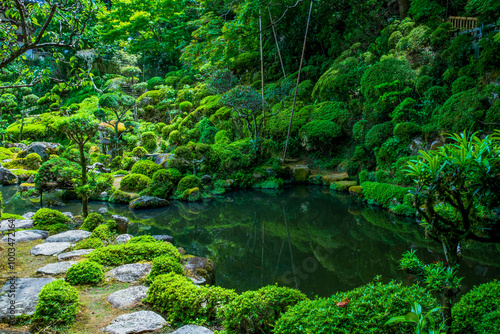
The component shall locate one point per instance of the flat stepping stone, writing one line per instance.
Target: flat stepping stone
(22, 236)
(127, 298)
(73, 255)
(27, 290)
(137, 322)
(28, 215)
(50, 248)
(18, 224)
(123, 238)
(129, 273)
(193, 329)
(56, 268)
(69, 236)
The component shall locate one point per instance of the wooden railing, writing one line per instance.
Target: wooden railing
(464, 23)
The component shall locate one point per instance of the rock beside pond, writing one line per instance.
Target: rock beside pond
(137, 322)
(300, 173)
(123, 238)
(22, 236)
(27, 290)
(43, 149)
(18, 224)
(166, 238)
(128, 298)
(129, 273)
(200, 270)
(69, 236)
(26, 186)
(50, 248)
(7, 177)
(56, 268)
(148, 202)
(193, 329)
(327, 179)
(73, 255)
(28, 215)
(103, 210)
(121, 223)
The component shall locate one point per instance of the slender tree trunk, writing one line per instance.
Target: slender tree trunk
(83, 163)
(22, 126)
(277, 45)
(298, 80)
(262, 76)
(403, 8)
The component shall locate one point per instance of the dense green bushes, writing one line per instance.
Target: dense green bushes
(135, 182)
(163, 265)
(92, 221)
(52, 220)
(115, 255)
(363, 310)
(85, 272)
(161, 185)
(57, 306)
(384, 194)
(145, 167)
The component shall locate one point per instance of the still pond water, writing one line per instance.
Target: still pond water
(303, 237)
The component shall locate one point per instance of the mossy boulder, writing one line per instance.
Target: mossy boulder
(356, 190)
(342, 185)
(191, 195)
(328, 179)
(300, 174)
(148, 202)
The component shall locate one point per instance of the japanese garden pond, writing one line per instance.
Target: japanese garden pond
(304, 236)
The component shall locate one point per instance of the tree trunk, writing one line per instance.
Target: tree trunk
(22, 126)
(403, 8)
(83, 163)
(446, 312)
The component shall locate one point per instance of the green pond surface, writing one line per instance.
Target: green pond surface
(305, 237)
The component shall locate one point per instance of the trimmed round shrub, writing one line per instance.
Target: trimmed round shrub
(33, 161)
(188, 182)
(149, 141)
(174, 175)
(331, 111)
(135, 182)
(145, 167)
(186, 106)
(89, 243)
(258, 311)
(359, 130)
(320, 134)
(139, 152)
(182, 301)
(161, 186)
(155, 81)
(92, 221)
(48, 217)
(377, 135)
(115, 255)
(85, 273)
(143, 238)
(127, 163)
(102, 232)
(407, 130)
(163, 265)
(462, 84)
(478, 310)
(363, 310)
(57, 306)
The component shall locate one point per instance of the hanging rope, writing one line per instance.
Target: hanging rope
(298, 80)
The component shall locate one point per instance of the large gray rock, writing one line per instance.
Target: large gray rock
(165, 237)
(148, 202)
(103, 210)
(69, 236)
(137, 322)
(22, 236)
(28, 215)
(68, 214)
(128, 298)
(200, 270)
(50, 248)
(18, 224)
(26, 291)
(123, 238)
(163, 159)
(7, 177)
(56, 268)
(129, 272)
(121, 223)
(43, 149)
(193, 329)
(73, 255)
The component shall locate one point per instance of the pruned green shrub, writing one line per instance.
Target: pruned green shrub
(33, 161)
(149, 141)
(89, 243)
(188, 182)
(45, 217)
(384, 194)
(478, 310)
(406, 131)
(92, 221)
(320, 134)
(145, 167)
(135, 182)
(364, 310)
(160, 186)
(57, 306)
(127, 163)
(85, 273)
(139, 152)
(103, 232)
(258, 311)
(377, 135)
(163, 265)
(462, 84)
(143, 238)
(115, 255)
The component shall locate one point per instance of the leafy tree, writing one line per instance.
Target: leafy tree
(56, 173)
(118, 107)
(80, 129)
(458, 191)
